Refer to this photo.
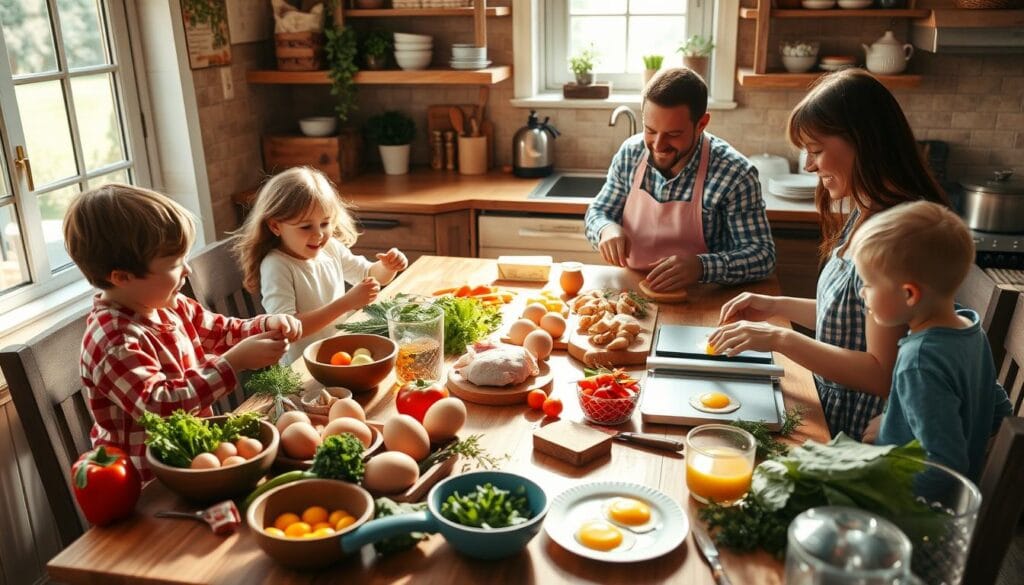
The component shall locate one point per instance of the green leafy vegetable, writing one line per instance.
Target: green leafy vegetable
(466, 320)
(469, 448)
(488, 507)
(386, 507)
(277, 382)
(178, 438)
(338, 457)
(767, 445)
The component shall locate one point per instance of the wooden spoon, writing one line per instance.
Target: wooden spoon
(481, 105)
(455, 115)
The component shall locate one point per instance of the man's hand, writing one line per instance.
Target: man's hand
(613, 245)
(674, 273)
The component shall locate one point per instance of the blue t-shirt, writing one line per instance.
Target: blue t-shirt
(945, 394)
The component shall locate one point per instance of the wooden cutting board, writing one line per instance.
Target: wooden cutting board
(438, 119)
(499, 395)
(572, 442)
(636, 354)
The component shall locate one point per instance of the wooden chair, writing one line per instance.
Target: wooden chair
(45, 383)
(216, 282)
(993, 303)
(1010, 375)
(1001, 504)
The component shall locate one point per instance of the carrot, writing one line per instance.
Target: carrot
(482, 289)
(463, 291)
(444, 291)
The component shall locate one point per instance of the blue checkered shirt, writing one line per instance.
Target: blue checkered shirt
(739, 241)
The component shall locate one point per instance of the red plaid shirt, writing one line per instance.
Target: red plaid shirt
(131, 364)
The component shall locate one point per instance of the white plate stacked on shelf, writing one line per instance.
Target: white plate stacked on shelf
(468, 56)
(793, 186)
(413, 52)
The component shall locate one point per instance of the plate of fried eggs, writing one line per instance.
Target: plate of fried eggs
(617, 522)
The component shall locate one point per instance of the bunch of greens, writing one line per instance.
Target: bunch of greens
(469, 448)
(338, 457)
(843, 472)
(767, 445)
(278, 382)
(178, 438)
(386, 507)
(376, 322)
(488, 507)
(466, 320)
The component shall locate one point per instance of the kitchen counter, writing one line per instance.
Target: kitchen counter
(431, 192)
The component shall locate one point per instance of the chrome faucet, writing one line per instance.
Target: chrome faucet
(629, 114)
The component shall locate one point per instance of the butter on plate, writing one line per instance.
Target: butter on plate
(530, 268)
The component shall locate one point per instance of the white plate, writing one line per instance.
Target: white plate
(469, 65)
(577, 505)
(855, 4)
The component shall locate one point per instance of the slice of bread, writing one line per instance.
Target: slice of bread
(676, 296)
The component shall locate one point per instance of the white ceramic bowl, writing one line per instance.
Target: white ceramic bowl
(411, 38)
(413, 60)
(465, 52)
(818, 4)
(319, 125)
(414, 46)
(855, 4)
(799, 64)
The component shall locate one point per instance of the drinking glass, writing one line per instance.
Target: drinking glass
(719, 463)
(835, 545)
(418, 329)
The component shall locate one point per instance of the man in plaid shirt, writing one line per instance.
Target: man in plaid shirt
(147, 347)
(680, 204)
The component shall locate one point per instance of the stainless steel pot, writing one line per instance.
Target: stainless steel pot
(995, 203)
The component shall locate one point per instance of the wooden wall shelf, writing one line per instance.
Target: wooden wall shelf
(397, 12)
(953, 17)
(751, 13)
(488, 76)
(782, 80)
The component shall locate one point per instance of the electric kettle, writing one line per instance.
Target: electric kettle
(531, 148)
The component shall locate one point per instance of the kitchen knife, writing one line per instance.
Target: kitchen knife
(650, 441)
(707, 548)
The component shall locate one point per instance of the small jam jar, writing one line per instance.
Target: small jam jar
(571, 279)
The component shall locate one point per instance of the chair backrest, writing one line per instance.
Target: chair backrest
(1001, 504)
(216, 282)
(45, 381)
(993, 303)
(1010, 374)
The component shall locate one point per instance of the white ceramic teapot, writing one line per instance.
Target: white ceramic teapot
(887, 56)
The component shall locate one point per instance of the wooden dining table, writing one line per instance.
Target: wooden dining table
(145, 549)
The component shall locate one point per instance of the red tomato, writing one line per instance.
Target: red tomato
(552, 407)
(341, 358)
(106, 485)
(415, 397)
(535, 399)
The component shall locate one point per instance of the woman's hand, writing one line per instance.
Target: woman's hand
(394, 260)
(733, 338)
(363, 293)
(289, 326)
(748, 307)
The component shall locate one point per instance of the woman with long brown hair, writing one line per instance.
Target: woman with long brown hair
(861, 147)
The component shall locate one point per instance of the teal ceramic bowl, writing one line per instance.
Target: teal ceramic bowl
(477, 543)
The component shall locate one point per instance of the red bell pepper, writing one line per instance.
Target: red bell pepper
(106, 485)
(416, 396)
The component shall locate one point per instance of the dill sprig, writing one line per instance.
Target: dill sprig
(768, 445)
(278, 382)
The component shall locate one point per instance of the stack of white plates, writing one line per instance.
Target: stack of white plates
(793, 186)
(467, 56)
(413, 52)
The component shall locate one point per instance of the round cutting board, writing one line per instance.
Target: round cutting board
(499, 395)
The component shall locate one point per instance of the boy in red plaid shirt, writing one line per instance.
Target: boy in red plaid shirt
(146, 347)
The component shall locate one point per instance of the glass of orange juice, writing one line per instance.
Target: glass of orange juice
(719, 463)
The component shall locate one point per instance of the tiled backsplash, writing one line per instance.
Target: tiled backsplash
(975, 103)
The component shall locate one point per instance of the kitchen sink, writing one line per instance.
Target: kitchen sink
(569, 185)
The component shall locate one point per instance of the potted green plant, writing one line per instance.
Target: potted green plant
(376, 45)
(393, 132)
(696, 51)
(651, 65)
(582, 65)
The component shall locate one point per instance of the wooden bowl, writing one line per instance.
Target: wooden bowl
(356, 378)
(307, 553)
(222, 483)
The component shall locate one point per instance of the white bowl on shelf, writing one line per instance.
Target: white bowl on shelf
(411, 38)
(469, 65)
(855, 4)
(318, 125)
(818, 4)
(414, 46)
(467, 52)
(799, 64)
(413, 60)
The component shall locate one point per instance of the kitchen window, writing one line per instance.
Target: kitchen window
(71, 121)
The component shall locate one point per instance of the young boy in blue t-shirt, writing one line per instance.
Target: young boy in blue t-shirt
(912, 258)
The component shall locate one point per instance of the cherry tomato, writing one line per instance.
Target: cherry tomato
(552, 407)
(341, 358)
(535, 399)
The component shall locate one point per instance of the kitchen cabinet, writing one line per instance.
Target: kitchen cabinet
(759, 77)
(796, 257)
(416, 234)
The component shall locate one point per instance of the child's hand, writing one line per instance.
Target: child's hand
(289, 326)
(257, 351)
(871, 431)
(394, 260)
(363, 293)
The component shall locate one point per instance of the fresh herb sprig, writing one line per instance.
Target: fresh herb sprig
(278, 382)
(768, 445)
(470, 449)
(488, 507)
(376, 322)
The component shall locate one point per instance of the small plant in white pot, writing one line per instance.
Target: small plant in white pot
(696, 53)
(652, 63)
(393, 132)
(582, 65)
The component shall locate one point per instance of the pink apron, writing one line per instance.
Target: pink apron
(657, 230)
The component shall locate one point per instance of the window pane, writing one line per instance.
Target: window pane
(120, 176)
(45, 121)
(654, 35)
(52, 206)
(13, 265)
(657, 7)
(597, 7)
(83, 33)
(98, 124)
(28, 35)
(608, 36)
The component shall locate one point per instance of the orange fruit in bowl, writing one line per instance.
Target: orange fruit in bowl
(341, 358)
(285, 520)
(314, 515)
(298, 530)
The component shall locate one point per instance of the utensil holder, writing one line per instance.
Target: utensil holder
(472, 155)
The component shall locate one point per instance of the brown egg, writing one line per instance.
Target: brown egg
(349, 425)
(390, 472)
(444, 418)
(406, 434)
(534, 312)
(233, 460)
(225, 450)
(205, 461)
(249, 447)
(292, 416)
(347, 407)
(539, 343)
(553, 323)
(300, 440)
(519, 330)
